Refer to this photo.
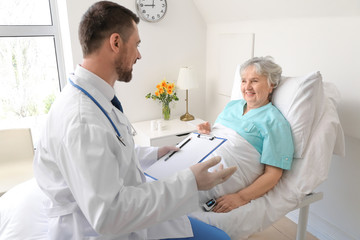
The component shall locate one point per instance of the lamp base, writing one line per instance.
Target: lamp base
(187, 117)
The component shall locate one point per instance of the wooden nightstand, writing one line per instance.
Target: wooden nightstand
(172, 132)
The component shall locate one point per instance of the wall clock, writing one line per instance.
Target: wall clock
(151, 10)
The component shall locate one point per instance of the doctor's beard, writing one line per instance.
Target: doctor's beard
(123, 75)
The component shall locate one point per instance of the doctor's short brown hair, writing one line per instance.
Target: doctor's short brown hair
(100, 21)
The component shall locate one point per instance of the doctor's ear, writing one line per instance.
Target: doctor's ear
(115, 42)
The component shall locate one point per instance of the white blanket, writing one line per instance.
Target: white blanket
(236, 151)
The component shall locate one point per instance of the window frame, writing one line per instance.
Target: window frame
(52, 30)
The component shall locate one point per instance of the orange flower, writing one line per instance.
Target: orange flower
(163, 84)
(170, 87)
(165, 92)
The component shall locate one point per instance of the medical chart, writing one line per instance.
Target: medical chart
(193, 149)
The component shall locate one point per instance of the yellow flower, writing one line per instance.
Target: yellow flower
(161, 90)
(169, 91)
(157, 93)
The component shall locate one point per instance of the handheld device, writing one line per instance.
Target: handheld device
(209, 205)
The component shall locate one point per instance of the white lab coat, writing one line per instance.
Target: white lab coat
(94, 183)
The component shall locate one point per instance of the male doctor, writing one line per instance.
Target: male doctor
(86, 161)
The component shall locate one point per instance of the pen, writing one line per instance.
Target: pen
(121, 140)
(179, 147)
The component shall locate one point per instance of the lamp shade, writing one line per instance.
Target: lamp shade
(186, 79)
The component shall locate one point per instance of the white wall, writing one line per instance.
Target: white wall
(330, 45)
(177, 40)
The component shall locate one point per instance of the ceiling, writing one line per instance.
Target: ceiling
(220, 11)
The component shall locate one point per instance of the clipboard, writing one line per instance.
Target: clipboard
(195, 150)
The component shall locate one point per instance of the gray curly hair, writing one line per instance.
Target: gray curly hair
(264, 66)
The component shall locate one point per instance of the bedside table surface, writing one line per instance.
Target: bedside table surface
(169, 127)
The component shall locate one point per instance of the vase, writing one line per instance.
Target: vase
(166, 111)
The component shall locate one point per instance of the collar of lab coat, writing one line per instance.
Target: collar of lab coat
(96, 86)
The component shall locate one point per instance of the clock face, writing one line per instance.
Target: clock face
(151, 10)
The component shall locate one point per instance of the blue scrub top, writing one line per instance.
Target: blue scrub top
(265, 128)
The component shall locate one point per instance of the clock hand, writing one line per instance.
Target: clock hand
(150, 5)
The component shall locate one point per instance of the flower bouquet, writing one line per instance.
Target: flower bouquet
(165, 93)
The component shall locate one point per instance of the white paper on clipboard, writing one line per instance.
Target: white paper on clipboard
(195, 151)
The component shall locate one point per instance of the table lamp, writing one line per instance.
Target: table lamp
(185, 82)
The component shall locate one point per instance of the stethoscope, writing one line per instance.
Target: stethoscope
(118, 135)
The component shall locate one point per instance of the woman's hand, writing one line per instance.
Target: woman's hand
(204, 128)
(228, 202)
(258, 188)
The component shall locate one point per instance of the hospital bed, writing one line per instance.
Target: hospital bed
(310, 107)
(309, 104)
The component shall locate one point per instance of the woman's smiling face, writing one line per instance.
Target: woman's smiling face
(255, 88)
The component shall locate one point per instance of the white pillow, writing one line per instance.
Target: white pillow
(300, 100)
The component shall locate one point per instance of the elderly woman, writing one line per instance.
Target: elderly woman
(262, 146)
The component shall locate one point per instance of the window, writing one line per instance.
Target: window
(31, 62)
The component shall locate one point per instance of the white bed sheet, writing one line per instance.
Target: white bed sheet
(21, 213)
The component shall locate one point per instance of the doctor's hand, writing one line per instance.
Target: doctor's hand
(164, 150)
(204, 128)
(206, 180)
